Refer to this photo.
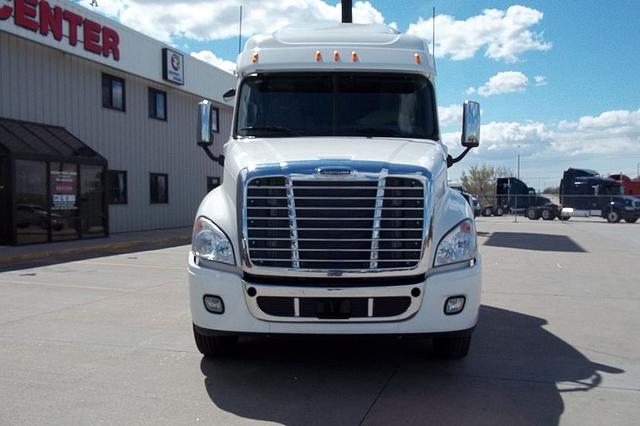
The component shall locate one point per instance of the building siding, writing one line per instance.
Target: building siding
(45, 85)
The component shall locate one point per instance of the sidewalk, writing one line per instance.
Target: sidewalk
(121, 241)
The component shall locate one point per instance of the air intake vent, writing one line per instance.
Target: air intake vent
(332, 224)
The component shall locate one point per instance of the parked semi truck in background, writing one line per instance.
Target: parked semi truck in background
(584, 193)
(513, 196)
(631, 186)
(334, 215)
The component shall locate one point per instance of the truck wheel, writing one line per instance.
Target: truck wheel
(487, 211)
(533, 214)
(631, 220)
(547, 214)
(499, 211)
(613, 217)
(452, 346)
(564, 218)
(214, 346)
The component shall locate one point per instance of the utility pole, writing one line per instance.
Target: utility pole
(516, 195)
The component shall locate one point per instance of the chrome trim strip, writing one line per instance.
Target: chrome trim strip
(377, 214)
(336, 293)
(293, 224)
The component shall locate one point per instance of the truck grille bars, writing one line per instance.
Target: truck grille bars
(348, 224)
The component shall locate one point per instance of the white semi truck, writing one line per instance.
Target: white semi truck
(334, 216)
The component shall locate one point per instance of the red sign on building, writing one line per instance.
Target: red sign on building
(39, 16)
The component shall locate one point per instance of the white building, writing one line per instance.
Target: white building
(98, 126)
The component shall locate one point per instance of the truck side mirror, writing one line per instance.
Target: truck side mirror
(207, 117)
(204, 124)
(470, 124)
(229, 94)
(470, 130)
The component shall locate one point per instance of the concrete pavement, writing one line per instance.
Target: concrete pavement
(108, 340)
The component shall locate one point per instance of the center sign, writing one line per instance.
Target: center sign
(38, 16)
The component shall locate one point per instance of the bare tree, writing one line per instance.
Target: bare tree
(481, 180)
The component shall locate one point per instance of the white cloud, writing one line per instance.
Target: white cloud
(540, 80)
(210, 57)
(451, 114)
(213, 20)
(612, 132)
(504, 35)
(503, 82)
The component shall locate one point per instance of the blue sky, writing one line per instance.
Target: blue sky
(558, 81)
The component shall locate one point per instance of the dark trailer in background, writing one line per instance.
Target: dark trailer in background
(52, 185)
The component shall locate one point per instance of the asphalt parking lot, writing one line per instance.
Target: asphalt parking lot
(108, 340)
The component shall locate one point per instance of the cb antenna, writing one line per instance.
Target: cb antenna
(240, 32)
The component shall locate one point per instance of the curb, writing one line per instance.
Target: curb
(4, 260)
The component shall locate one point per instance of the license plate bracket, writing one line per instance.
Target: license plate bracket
(333, 308)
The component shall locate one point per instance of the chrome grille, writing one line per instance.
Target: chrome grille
(327, 224)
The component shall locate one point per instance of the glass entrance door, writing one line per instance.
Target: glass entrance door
(65, 218)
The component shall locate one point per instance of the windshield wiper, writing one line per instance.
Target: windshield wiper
(269, 129)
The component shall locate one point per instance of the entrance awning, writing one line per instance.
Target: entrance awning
(36, 141)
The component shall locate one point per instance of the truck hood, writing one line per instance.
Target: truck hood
(246, 153)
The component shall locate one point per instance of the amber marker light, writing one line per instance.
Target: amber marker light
(318, 56)
(354, 56)
(418, 58)
(254, 58)
(336, 55)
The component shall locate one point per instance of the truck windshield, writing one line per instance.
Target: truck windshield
(337, 104)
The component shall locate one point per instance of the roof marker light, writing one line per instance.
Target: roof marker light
(318, 56)
(254, 58)
(336, 55)
(354, 56)
(418, 58)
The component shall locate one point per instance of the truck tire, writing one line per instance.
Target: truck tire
(214, 346)
(613, 217)
(547, 214)
(499, 211)
(533, 213)
(487, 211)
(452, 346)
(631, 220)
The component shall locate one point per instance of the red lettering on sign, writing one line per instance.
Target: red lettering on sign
(110, 42)
(92, 36)
(26, 14)
(40, 16)
(50, 20)
(5, 12)
(74, 21)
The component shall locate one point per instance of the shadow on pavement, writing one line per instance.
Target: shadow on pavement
(515, 373)
(529, 241)
(55, 260)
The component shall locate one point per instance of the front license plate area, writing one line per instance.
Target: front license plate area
(327, 308)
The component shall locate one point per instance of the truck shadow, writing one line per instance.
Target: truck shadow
(515, 373)
(530, 241)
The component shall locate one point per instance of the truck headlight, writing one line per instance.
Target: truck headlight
(458, 245)
(210, 243)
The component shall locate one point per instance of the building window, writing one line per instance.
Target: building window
(159, 188)
(215, 115)
(117, 187)
(113, 92)
(157, 104)
(212, 183)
